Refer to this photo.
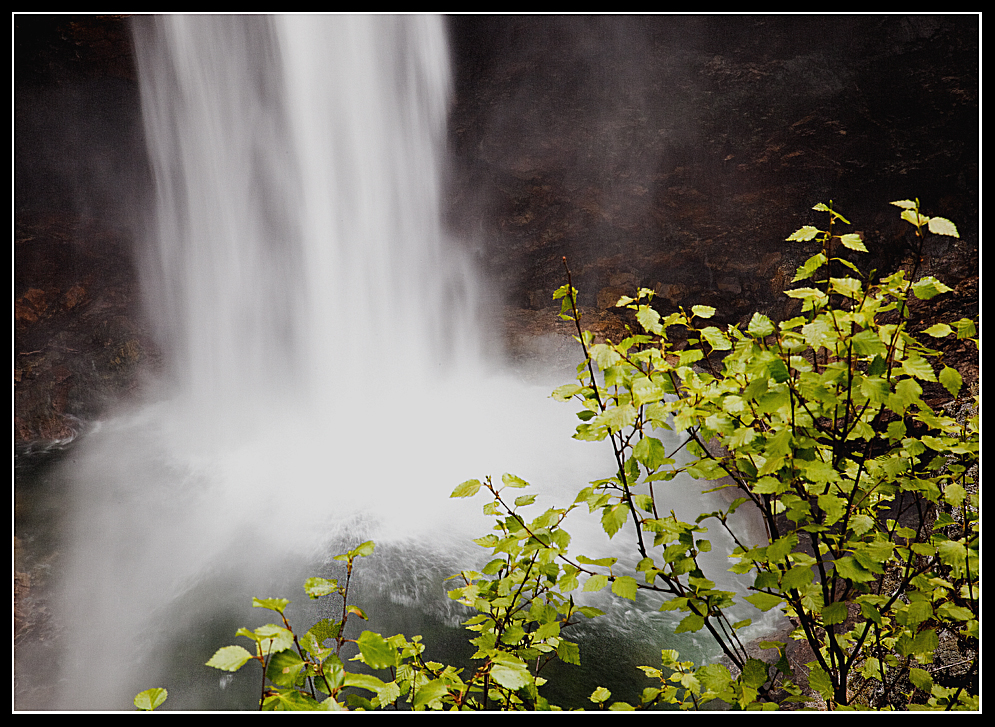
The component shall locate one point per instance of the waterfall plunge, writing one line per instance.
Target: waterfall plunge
(307, 294)
(326, 384)
(297, 166)
(325, 381)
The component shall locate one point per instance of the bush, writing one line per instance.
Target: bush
(867, 493)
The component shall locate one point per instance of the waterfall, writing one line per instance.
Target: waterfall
(303, 286)
(324, 381)
(299, 250)
(324, 377)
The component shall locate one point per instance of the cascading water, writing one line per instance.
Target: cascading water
(297, 166)
(325, 384)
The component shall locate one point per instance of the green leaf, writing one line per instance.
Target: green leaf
(428, 693)
(716, 338)
(273, 638)
(284, 667)
(690, 624)
(512, 634)
(760, 326)
(323, 630)
(929, 287)
(150, 699)
(714, 677)
(924, 643)
(513, 481)
(921, 679)
(804, 234)
(467, 489)
(873, 555)
(363, 681)
(853, 241)
(848, 567)
(754, 673)
(596, 582)
(955, 494)
(913, 217)
(649, 319)
(966, 328)
(362, 550)
(703, 311)
(954, 612)
(650, 452)
(604, 355)
(274, 604)
(764, 601)
(907, 392)
(819, 680)
(614, 517)
(689, 356)
(819, 333)
(868, 343)
(593, 431)
(568, 652)
(618, 417)
(940, 330)
(646, 391)
(875, 388)
(291, 700)
(942, 226)
(358, 611)
(917, 612)
(566, 291)
(780, 548)
(850, 287)
(953, 553)
(810, 267)
(951, 380)
(621, 707)
(511, 676)
(797, 578)
(833, 506)
(229, 658)
(602, 562)
(356, 702)
(626, 587)
(377, 653)
(918, 367)
(770, 486)
(600, 695)
(834, 613)
(871, 613)
(317, 587)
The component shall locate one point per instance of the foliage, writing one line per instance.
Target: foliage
(150, 699)
(819, 422)
(519, 628)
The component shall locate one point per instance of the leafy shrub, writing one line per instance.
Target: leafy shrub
(520, 619)
(819, 423)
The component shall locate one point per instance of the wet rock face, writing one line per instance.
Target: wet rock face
(667, 152)
(680, 152)
(80, 177)
(78, 342)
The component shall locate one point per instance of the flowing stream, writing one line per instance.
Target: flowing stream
(325, 381)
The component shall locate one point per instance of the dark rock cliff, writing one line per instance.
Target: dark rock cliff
(670, 152)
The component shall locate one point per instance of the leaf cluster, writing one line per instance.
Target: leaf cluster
(819, 422)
